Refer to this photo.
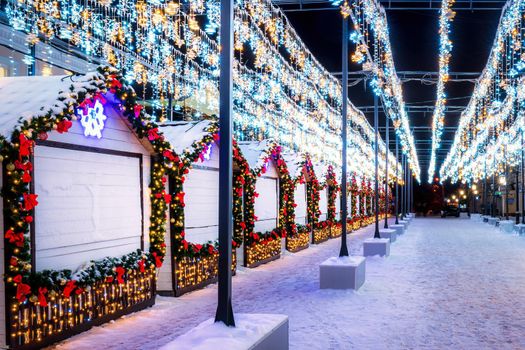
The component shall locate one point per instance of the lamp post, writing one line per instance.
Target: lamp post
(344, 205)
(403, 188)
(485, 206)
(397, 182)
(506, 185)
(376, 149)
(224, 308)
(387, 140)
(517, 194)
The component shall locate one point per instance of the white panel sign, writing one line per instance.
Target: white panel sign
(89, 206)
(300, 200)
(201, 213)
(266, 204)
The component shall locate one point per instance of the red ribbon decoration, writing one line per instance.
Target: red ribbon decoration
(30, 201)
(42, 291)
(141, 265)
(15, 237)
(120, 274)
(158, 260)
(64, 126)
(70, 286)
(153, 135)
(22, 290)
(25, 146)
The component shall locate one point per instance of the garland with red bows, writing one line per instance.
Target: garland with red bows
(21, 282)
(332, 189)
(182, 166)
(272, 154)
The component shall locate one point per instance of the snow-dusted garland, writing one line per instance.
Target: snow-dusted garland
(333, 188)
(182, 165)
(312, 190)
(271, 154)
(21, 282)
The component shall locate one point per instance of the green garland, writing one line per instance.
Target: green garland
(21, 282)
(181, 166)
(332, 190)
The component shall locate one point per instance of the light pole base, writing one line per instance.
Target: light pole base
(400, 229)
(271, 332)
(347, 272)
(388, 233)
(376, 246)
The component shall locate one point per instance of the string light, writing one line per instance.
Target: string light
(445, 48)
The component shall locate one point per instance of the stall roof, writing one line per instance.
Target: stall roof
(254, 152)
(293, 162)
(182, 135)
(24, 98)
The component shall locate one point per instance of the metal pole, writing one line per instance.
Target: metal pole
(493, 199)
(485, 206)
(397, 182)
(387, 141)
(522, 180)
(406, 185)
(506, 186)
(31, 69)
(376, 150)
(224, 308)
(344, 249)
(517, 194)
(403, 188)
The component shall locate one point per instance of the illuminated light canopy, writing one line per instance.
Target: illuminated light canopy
(445, 48)
(490, 131)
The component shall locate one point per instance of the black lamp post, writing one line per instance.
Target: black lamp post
(224, 308)
(397, 182)
(376, 149)
(387, 141)
(344, 205)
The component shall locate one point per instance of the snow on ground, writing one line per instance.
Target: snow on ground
(449, 283)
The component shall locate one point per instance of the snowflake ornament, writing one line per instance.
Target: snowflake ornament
(93, 120)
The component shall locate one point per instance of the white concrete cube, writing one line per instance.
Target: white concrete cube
(376, 246)
(492, 220)
(400, 229)
(507, 226)
(272, 332)
(520, 228)
(388, 233)
(485, 218)
(347, 272)
(404, 223)
(475, 217)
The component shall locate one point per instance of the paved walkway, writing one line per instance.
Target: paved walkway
(448, 284)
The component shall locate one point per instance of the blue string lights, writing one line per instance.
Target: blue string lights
(445, 48)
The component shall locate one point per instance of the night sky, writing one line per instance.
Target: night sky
(414, 38)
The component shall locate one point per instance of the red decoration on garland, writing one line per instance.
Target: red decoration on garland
(120, 274)
(63, 126)
(42, 301)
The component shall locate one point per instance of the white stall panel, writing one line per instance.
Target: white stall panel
(323, 203)
(89, 206)
(266, 204)
(201, 212)
(300, 200)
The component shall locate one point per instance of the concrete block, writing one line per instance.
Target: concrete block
(346, 272)
(376, 246)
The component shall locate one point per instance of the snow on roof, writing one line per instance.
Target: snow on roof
(182, 135)
(25, 98)
(320, 170)
(255, 152)
(293, 161)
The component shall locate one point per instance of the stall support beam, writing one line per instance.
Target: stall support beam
(376, 151)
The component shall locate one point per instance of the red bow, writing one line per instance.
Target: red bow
(15, 237)
(153, 134)
(136, 110)
(64, 126)
(197, 248)
(141, 265)
(180, 197)
(120, 274)
(211, 250)
(114, 84)
(243, 225)
(23, 166)
(25, 146)
(22, 290)
(99, 97)
(42, 296)
(30, 201)
(87, 103)
(70, 286)
(158, 260)
(26, 177)
(185, 244)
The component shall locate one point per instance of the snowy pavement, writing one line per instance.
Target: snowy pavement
(448, 284)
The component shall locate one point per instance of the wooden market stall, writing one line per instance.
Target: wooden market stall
(83, 237)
